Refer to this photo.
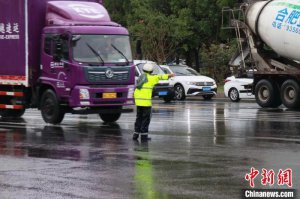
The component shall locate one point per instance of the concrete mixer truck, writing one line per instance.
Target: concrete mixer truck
(269, 42)
(63, 57)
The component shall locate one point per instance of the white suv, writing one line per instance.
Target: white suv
(189, 82)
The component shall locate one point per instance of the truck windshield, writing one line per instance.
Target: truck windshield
(101, 49)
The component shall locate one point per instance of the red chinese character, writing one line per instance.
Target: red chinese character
(251, 176)
(285, 177)
(268, 177)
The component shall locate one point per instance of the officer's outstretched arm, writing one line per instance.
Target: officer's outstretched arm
(172, 75)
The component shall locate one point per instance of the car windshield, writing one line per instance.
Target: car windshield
(167, 71)
(156, 69)
(101, 48)
(183, 71)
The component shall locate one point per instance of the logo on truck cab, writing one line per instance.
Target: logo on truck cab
(86, 11)
(109, 73)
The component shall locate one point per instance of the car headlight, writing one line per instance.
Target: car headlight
(84, 94)
(191, 83)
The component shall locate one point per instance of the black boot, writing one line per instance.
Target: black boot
(145, 138)
(135, 136)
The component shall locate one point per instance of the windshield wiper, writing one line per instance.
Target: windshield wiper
(121, 53)
(95, 52)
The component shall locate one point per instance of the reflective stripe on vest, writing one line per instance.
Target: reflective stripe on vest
(146, 88)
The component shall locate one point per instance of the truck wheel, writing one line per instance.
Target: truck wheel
(207, 97)
(51, 111)
(290, 94)
(234, 95)
(109, 117)
(14, 113)
(179, 92)
(267, 94)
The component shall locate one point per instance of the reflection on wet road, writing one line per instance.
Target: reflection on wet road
(198, 150)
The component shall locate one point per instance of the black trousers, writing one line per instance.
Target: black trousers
(143, 117)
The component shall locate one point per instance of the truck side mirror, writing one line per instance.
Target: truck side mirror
(57, 52)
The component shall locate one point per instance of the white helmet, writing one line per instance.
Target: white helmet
(148, 67)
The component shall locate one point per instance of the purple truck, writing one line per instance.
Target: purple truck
(63, 57)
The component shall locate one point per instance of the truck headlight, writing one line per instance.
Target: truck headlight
(130, 93)
(84, 94)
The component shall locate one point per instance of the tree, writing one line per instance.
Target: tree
(173, 28)
(202, 20)
(216, 58)
(118, 10)
(153, 28)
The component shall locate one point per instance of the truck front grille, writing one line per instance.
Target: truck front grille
(107, 74)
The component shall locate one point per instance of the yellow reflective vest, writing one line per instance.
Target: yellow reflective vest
(143, 96)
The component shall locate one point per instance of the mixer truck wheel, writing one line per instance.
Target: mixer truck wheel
(267, 94)
(14, 113)
(51, 111)
(290, 94)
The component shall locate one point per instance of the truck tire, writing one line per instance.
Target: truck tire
(267, 94)
(51, 111)
(233, 95)
(290, 94)
(179, 92)
(109, 117)
(13, 113)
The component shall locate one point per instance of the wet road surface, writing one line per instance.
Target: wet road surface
(199, 149)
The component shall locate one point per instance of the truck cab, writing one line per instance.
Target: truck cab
(76, 61)
(87, 62)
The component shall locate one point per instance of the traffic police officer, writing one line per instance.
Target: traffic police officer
(143, 100)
